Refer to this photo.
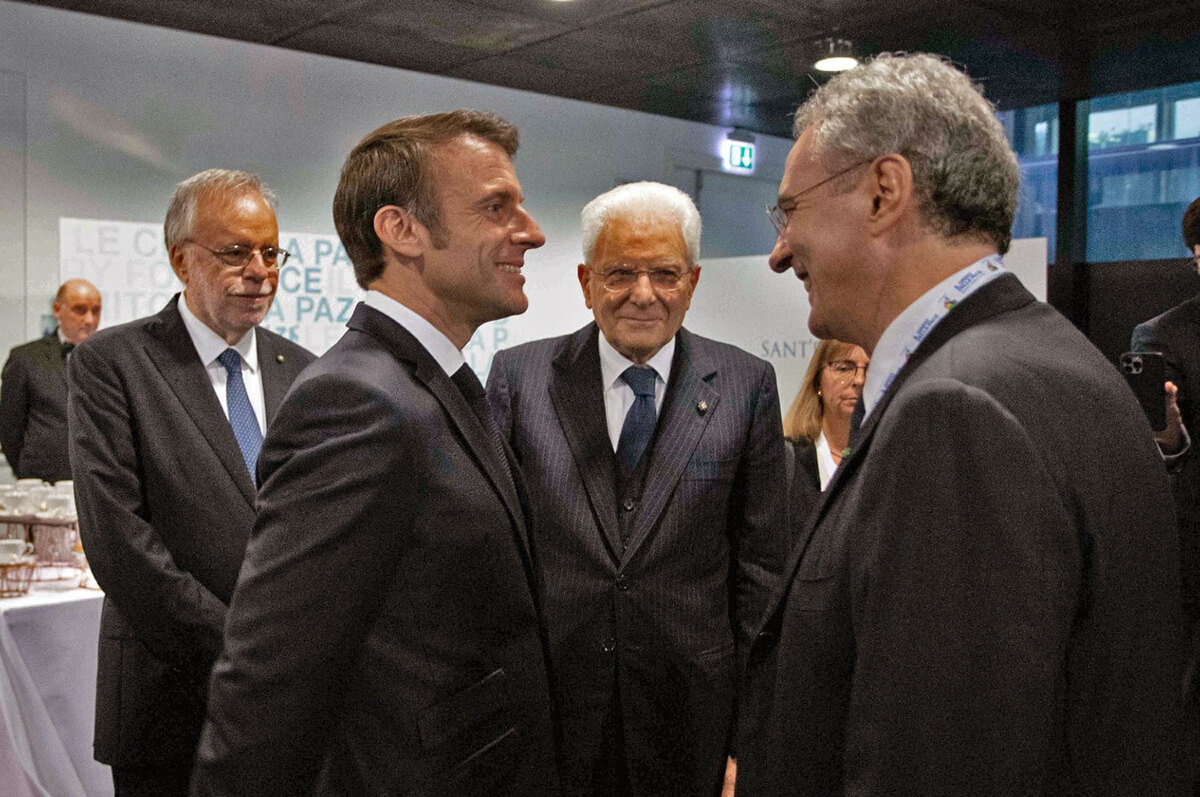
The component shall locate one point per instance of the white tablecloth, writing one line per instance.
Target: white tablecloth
(48, 694)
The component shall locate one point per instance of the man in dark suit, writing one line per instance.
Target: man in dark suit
(384, 636)
(659, 535)
(985, 600)
(1176, 333)
(33, 388)
(166, 414)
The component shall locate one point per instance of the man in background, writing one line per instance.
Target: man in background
(167, 415)
(985, 601)
(655, 464)
(384, 637)
(1176, 333)
(33, 388)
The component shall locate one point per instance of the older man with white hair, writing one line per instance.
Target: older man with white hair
(985, 601)
(654, 462)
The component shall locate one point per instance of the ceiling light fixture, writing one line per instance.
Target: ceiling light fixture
(838, 56)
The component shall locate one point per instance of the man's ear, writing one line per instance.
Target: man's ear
(400, 231)
(585, 280)
(892, 184)
(178, 262)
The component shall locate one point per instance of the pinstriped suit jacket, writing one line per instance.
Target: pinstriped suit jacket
(665, 617)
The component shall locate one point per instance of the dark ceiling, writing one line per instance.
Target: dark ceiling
(739, 64)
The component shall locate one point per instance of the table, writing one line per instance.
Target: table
(48, 693)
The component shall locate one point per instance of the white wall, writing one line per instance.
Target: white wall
(116, 113)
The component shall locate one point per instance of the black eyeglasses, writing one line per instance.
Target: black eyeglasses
(238, 256)
(845, 369)
(779, 216)
(621, 279)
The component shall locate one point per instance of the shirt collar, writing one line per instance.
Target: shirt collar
(209, 345)
(908, 329)
(613, 363)
(440, 347)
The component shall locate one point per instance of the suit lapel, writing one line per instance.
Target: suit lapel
(50, 355)
(577, 393)
(689, 403)
(171, 351)
(999, 296)
(275, 377)
(478, 440)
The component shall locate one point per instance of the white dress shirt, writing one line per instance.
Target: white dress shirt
(825, 464)
(908, 329)
(209, 345)
(437, 344)
(618, 396)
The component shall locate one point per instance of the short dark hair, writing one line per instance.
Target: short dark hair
(1191, 225)
(391, 166)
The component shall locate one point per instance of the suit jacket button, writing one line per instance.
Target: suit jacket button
(610, 645)
(627, 504)
(622, 583)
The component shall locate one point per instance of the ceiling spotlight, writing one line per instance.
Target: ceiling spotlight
(838, 56)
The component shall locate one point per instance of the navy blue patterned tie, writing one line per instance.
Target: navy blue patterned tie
(241, 413)
(640, 420)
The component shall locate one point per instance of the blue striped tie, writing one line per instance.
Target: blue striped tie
(640, 420)
(241, 413)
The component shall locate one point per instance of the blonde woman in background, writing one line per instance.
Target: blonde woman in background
(817, 425)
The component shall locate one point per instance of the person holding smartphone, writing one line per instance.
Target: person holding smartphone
(1176, 334)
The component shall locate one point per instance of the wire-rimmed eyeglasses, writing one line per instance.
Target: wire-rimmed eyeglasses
(238, 256)
(779, 216)
(622, 278)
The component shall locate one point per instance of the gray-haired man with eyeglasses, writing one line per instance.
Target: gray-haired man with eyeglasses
(167, 415)
(654, 462)
(984, 600)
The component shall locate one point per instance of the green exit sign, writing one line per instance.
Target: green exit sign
(739, 156)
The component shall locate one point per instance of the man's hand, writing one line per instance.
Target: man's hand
(1170, 437)
(730, 778)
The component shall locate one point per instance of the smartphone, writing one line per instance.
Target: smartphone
(1145, 372)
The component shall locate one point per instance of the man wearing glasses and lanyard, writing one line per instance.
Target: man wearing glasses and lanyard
(167, 415)
(654, 464)
(984, 601)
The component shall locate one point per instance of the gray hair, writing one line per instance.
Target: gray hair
(965, 174)
(641, 202)
(181, 213)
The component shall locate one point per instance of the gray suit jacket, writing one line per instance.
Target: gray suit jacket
(384, 637)
(985, 601)
(662, 620)
(165, 508)
(33, 411)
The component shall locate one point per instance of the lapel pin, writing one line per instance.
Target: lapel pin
(278, 358)
(702, 406)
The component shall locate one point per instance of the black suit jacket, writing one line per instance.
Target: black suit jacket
(985, 601)
(384, 636)
(33, 411)
(1176, 333)
(660, 621)
(165, 508)
(804, 484)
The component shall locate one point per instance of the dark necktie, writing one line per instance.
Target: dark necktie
(640, 420)
(67, 348)
(468, 384)
(241, 414)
